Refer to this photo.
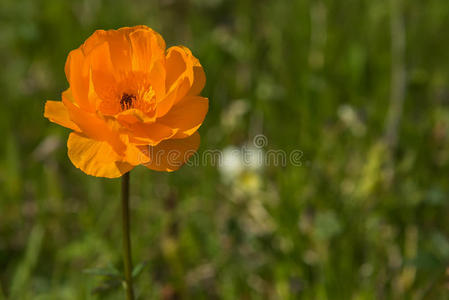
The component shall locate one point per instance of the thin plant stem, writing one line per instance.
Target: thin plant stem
(398, 87)
(126, 238)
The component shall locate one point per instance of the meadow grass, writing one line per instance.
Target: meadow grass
(361, 87)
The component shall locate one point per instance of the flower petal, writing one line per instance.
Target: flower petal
(170, 155)
(92, 125)
(77, 72)
(186, 116)
(134, 154)
(199, 79)
(148, 47)
(103, 80)
(149, 133)
(57, 113)
(96, 158)
(157, 78)
(118, 45)
(132, 116)
(177, 64)
(182, 69)
(178, 92)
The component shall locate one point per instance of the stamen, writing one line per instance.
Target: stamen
(127, 101)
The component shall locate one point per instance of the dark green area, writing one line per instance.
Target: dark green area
(365, 215)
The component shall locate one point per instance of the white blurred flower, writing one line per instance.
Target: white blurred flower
(253, 158)
(240, 167)
(348, 115)
(231, 164)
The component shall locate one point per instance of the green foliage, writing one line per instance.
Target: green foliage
(365, 215)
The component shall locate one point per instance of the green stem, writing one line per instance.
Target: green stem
(126, 238)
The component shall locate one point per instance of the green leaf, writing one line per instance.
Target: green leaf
(139, 268)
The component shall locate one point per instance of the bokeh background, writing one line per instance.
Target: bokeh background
(361, 87)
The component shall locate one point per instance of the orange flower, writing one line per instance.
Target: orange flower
(130, 102)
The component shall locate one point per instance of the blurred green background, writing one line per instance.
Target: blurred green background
(361, 87)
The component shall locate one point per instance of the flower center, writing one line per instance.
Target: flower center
(127, 101)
